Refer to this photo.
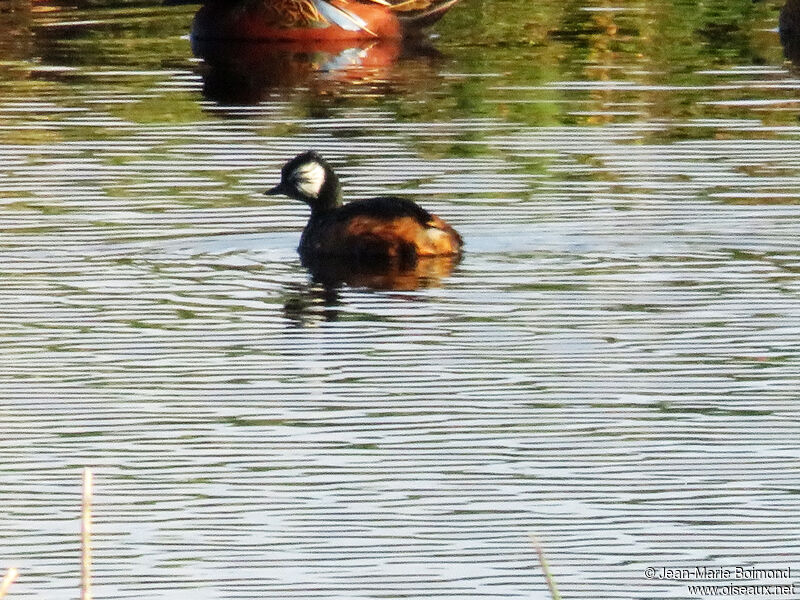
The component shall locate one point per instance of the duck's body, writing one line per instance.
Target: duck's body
(377, 229)
(310, 20)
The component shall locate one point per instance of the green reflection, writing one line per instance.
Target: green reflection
(500, 59)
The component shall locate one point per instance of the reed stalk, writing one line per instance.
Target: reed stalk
(9, 578)
(551, 582)
(86, 536)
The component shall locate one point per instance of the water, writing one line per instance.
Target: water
(612, 366)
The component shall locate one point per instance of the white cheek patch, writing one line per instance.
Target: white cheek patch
(309, 178)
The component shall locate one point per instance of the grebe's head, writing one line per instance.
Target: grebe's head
(307, 177)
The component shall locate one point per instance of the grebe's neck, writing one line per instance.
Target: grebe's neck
(330, 195)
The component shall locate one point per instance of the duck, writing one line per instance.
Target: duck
(371, 232)
(316, 20)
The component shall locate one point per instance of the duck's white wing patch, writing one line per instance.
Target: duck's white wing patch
(309, 178)
(338, 16)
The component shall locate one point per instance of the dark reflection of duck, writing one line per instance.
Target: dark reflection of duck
(385, 242)
(789, 29)
(319, 300)
(304, 20)
(248, 72)
(424, 272)
(309, 304)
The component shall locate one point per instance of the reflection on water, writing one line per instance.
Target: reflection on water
(613, 364)
(237, 72)
(308, 305)
(383, 275)
(318, 301)
(789, 27)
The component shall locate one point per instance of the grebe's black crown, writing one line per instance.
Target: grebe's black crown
(308, 157)
(309, 178)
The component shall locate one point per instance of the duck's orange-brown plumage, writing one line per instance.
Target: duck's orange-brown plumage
(392, 237)
(307, 20)
(432, 238)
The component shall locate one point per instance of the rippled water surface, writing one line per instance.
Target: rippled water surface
(612, 366)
